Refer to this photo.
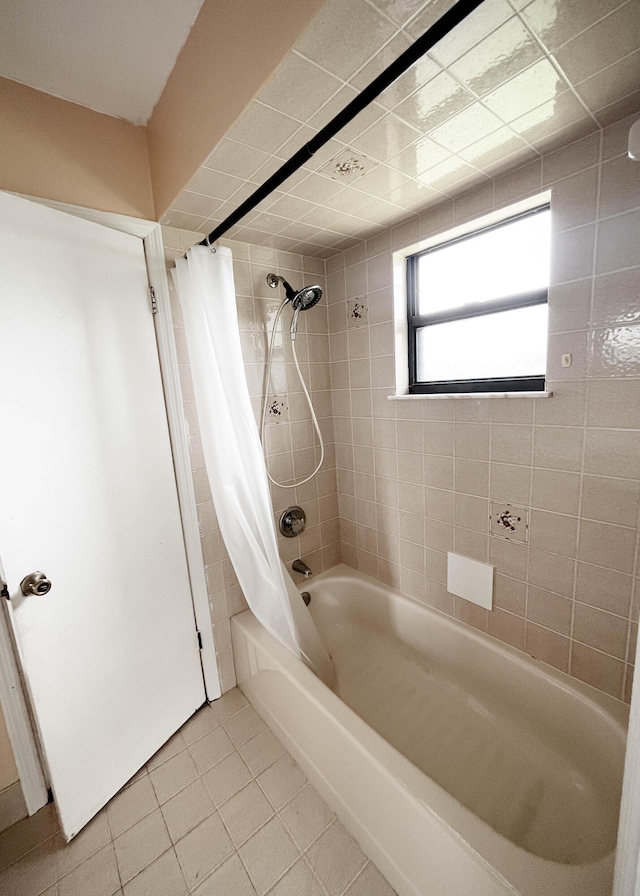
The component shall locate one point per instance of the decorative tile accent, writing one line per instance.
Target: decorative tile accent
(509, 521)
(347, 166)
(357, 313)
(277, 409)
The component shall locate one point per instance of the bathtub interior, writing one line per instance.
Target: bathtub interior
(524, 749)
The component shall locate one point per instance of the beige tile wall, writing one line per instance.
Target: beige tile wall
(415, 477)
(291, 445)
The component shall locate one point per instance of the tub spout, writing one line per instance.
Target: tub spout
(300, 566)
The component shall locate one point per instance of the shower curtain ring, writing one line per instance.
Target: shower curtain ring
(212, 246)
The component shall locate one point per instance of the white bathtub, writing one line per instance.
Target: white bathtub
(461, 766)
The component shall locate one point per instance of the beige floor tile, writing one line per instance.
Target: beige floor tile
(141, 773)
(98, 876)
(306, 816)
(230, 703)
(204, 721)
(173, 776)
(244, 725)
(261, 751)
(24, 836)
(187, 809)
(33, 873)
(130, 805)
(230, 879)
(297, 881)
(90, 839)
(141, 844)
(210, 749)
(204, 794)
(268, 855)
(245, 812)
(226, 778)
(336, 858)
(172, 747)
(281, 781)
(370, 883)
(163, 877)
(203, 849)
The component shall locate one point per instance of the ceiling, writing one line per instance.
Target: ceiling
(112, 57)
(514, 79)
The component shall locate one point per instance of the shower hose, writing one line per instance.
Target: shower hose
(294, 322)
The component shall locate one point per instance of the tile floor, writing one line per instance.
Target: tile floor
(221, 810)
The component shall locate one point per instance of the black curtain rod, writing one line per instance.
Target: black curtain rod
(422, 45)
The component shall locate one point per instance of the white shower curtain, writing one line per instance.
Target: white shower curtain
(233, 453)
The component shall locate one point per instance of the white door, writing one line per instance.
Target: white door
(88, 497)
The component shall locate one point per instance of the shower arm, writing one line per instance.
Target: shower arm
(274, 279)
(422, 45)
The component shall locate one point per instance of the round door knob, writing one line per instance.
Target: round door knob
(35, 583)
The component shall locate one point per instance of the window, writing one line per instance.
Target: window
(477, 309)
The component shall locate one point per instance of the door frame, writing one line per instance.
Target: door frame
(32, 772)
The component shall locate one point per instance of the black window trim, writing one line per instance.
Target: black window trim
(417, 321)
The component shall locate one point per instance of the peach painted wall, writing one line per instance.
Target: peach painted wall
(55, 149)
(232, 50)
(58, 150)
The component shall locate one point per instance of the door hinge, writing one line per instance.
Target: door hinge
(154, 301)
(199, 640)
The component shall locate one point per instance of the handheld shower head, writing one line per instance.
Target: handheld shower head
(307, 297)
(301, 300)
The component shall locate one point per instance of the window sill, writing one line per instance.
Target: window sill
(470, 395)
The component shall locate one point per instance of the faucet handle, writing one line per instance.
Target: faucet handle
(293, 522)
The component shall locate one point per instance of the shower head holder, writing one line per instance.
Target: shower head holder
(274, 279)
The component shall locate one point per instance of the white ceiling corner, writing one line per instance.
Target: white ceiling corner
(516, 79)
(112, 57)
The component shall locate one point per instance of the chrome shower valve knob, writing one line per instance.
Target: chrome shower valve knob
(293, 522)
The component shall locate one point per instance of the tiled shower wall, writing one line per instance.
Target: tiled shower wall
(415, 477)
(291, 445)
